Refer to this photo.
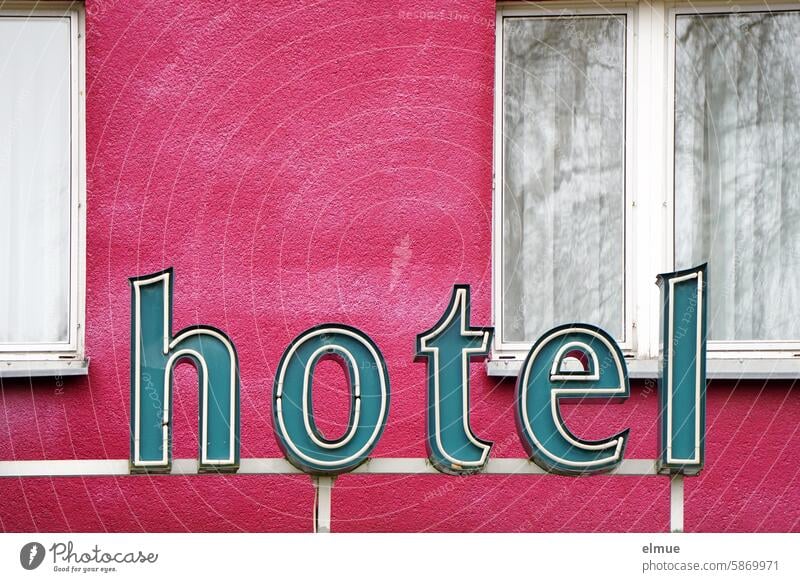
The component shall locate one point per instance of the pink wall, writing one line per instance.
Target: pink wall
(301, 162)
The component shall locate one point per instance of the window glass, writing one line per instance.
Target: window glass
(35, 171)
(563, 240)
(737, 168)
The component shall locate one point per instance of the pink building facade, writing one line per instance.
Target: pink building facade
(308, 162)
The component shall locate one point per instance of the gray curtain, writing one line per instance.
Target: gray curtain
(737, 168)
(35, 162)
(564, 176)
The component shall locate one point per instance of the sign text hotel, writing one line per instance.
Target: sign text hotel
(575, 361)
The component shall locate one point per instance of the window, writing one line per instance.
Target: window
(638, 138)
(42, 189)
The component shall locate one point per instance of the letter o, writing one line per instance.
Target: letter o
(293, 417)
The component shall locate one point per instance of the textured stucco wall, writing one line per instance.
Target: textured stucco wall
(300, 162)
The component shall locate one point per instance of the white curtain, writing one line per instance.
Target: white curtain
(35, 192)
(564, 175)
(737, 168)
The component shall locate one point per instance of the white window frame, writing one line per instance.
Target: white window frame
(60, 359)
(649, 219)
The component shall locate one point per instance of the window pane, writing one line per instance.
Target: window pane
(34, 179)
(737, 169)
(564, 174)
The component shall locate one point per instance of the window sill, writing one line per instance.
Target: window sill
(716, 368)
(43, 368)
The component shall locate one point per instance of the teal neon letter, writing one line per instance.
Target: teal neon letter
(154, 353)
(575, 361)
(682, 383)
(448, 346)
(293, 416)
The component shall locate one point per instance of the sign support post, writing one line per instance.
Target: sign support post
(676, 503)
(323, 487)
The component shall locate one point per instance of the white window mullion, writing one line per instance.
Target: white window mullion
(652, 208)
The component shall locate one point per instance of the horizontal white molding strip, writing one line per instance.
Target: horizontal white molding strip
(280, 466)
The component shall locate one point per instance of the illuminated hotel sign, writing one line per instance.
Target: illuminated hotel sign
(573, 361)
